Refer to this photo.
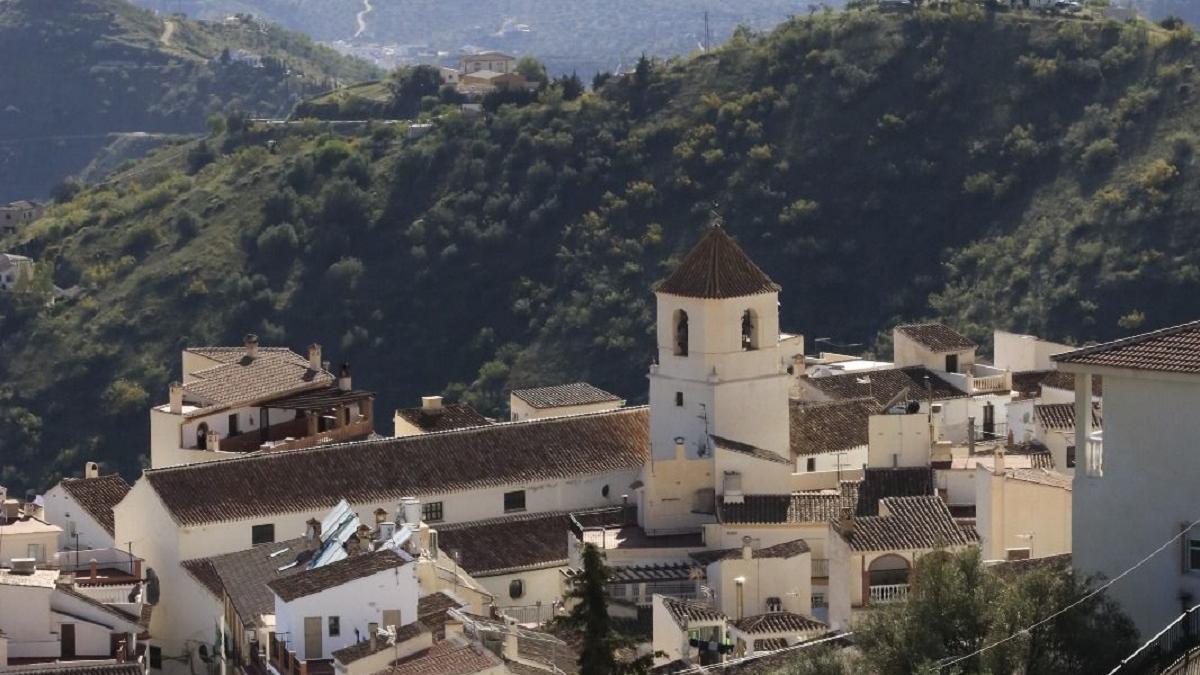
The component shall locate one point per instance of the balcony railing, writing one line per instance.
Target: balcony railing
(538, 613)
(291, 436)
(1172, 651)
(889, 593)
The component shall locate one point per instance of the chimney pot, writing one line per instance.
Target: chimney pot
(176, 398)
(380, 515)
(213, 441)
(998, 460)
(251, 342)
(93, 568)
(846, 521)
(91, 470)
(431, 405)
(343, 382)
(747, 549)
(314, 356)
(312, 533)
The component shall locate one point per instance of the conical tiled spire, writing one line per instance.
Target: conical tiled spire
(717, 268)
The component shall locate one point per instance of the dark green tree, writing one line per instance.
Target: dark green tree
(590, 614)
(410, 85)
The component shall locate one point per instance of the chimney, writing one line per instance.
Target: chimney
(312, 533)
(747, 550)
(846, 521)
(998, 460)
(251, 342)
(176, 397)
(970, 435)
(93, 568)
(213, 440)
(364, 538)
(314, 356)
(12, 509)
(380, 515)
(343, 382)
(431, 405)
(410, 511)
(680, 450)
(91, 470)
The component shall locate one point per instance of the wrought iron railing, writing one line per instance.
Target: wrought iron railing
(1172, 650)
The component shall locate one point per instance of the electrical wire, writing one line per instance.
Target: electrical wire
(745, 659)
(1073, 605)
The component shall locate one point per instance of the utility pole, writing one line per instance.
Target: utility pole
(706, 34)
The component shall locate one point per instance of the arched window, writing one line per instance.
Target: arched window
(749, 330)
(202, 436)
(681, 333)
(516, 588)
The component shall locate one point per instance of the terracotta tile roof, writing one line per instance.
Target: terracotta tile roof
(363, 648)
(1061, 416)
(912, 523)
(798, 507)
(244, 575)
(515, 542)
(433, 611)
(769, 644)
(884, 385)
(778, 622)
(717, 267)
(937, 337)
(1175, 349)
(1009, 569)
(237, 378)
(747, 449)
(449, 417)
(69, 668)
(818, 427)
(684, 612)
(1028, 383)
(557, 396)
(444, 658)
(789, 549)
(390, 468)
(878, 484)
(1042, 477)
(311, 582)
(98, 496)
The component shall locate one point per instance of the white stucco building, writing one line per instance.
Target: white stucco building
(1134, 486)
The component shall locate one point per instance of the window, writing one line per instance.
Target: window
(1016, 553)
(262, 534)
(811, 464)
(1194, 555)
(749, 330)
(514, 501)
(234, 429)
(679, 399)
(156, 657)
(335, 626)
(1070, 456)
(431, 512)
(819, 600)
(952, 363)
(681, 333)
(774, 604)
(516, 588)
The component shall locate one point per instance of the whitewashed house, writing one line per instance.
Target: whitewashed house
(564, 399)
(1134, 485)
(82, 508)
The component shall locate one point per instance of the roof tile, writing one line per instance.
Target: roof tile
(98, 496)
(449, 417)
(819, 427)
(911, 523)
(717, 267)
(557, 396)
(1174, 349)
(311, 582)
(937, 337)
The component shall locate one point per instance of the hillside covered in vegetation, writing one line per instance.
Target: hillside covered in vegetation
(73, 72)
(1031, 173)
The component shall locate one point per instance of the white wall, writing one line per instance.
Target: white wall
(62, 510)
(25, 618)
(1014, 514)
(898, 441)
(668, 637)
(1147, 491)
(541, 585)
(789, 579)
(718, 536)
(1018, 415)
(357, 603)
(854, 458)
(1018, 352)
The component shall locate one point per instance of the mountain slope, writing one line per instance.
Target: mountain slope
(73, 72)
(994, 169)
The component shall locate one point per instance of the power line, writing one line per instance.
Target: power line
(745, 659)
(1073, 605)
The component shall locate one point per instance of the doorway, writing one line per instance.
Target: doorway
(312, 638)
(66, 631)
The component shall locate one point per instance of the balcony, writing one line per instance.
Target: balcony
(293, 435)
(888, 593)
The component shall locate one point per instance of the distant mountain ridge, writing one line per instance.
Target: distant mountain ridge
(72, 72)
